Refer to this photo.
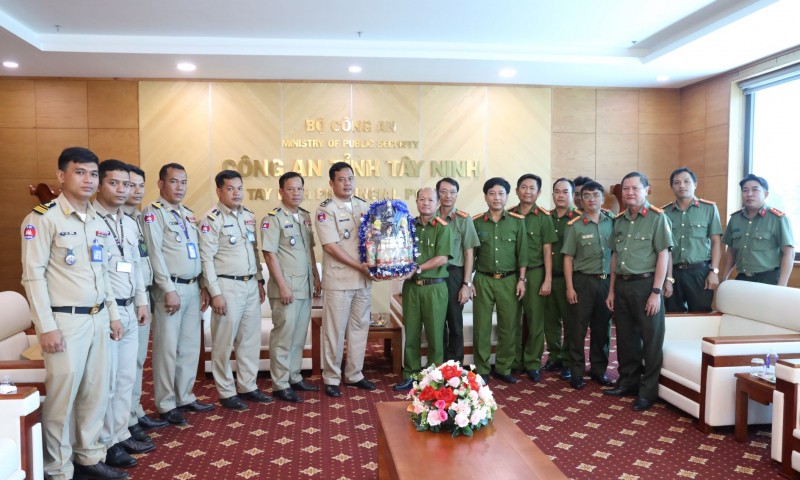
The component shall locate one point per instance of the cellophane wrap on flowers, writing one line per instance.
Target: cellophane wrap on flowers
(452, 399)
(387, 240)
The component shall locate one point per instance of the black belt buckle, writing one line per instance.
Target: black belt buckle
(94, 309)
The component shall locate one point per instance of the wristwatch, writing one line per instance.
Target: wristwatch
(467, 284)
(671, 280)
(523, 279)
(657, 291)
(419, 270)
(715, 270)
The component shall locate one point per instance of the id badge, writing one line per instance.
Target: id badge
(97, 253)
(142, 249)
(124, 267)
(191, 249)
(251, 237)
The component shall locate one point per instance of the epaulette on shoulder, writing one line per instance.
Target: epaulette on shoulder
(462, 213)
(706, 201)
(303, 210)
(247, 209)
(325, 202)
(619, 214)
(42, 208)
(212, 215)
(578, 211)
(156, 205)
(663, 207)
(439, 219)
(517, 215)
(356, 196)
(607, 212)
(275, 211)
(545, 211)
(189, 209)
(656, 209)
(776, 212)
(475, 217)
(571, 222)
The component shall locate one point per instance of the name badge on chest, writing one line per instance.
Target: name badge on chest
(124, 267)
(97, 252)
(191, 249)
(251, 237)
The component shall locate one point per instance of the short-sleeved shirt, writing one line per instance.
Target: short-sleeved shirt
(290, 237)
(540, 231)
(169, 231)
(757, 242)
(638, 241)
(462, 234)
(125, 272)
(228, 245)
(144, 257)
(433, 240)
(337, 224)
(692, 230)
(589, 243)
(504, 244)
(560, 226)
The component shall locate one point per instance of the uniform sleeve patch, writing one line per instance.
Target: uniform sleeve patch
(30, 232)
(321, 216)
(149, 217)
(265, 225)
(205, 228)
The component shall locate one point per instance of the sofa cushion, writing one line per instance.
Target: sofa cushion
(683, 358)
(738, 326)
(766, 303)
(12, 347)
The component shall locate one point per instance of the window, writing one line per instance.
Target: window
(772, 139)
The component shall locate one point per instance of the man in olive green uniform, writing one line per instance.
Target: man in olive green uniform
(425, 293)
(459, 285)
(641, 244)
(579, 182)
(695, 260)
(759, 238)
(556, 306)
(65, 255)
(139, 421)
(500, 262)
(540, 236)
(172, 242)
(346, 283)
(288, 244)
(232, 275)
(587, 267)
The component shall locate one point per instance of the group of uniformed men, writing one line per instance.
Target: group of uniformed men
(94, 271)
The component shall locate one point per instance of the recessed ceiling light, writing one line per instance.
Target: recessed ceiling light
(507, 72)
(662, 78)
(10, 64)
(187, 67)
(354, 69)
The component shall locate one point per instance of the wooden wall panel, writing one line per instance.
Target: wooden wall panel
(617, 155)
(692, 152)
(574, 110)
(693, 111)
(113, 104)
(718, 102)
(716, 150)
(617, 111)
(50, 142)
(119, 143)
(659, 111)
(18, 151)
(658, 155)
(573, 155)
(715, 188)
(61, 104)
(17, 104)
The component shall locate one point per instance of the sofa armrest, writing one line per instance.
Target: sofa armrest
(787, 373)
(691, 326)
(751, 345)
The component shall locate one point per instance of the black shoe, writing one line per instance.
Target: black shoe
(332, 391)
(302, 386)
(404, 386)
(602, 379)
(621, 392)
(133, 446)
(552, 366)
(577, 382)
(363, 384)
(196, 407)
(566, 373)
(98, 471)
(534, 375)
(138, 434)
(506, 378)
(256, 396)
(287, 395)
(148, 423)
(641, 404)
(517, 371)
(234, 403)
(174, 417)
(117, 457)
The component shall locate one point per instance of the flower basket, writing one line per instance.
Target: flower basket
(452, 399)
(387, 241)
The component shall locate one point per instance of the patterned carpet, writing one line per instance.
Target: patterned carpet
(588, 436)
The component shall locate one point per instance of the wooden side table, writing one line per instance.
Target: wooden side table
(749, 387)
(391, 334)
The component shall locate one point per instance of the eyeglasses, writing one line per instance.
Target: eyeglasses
(590, 196)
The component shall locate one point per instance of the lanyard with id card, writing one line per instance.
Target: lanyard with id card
(191, 248)
(122, 265)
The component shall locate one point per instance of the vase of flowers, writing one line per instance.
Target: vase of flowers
(451, 398)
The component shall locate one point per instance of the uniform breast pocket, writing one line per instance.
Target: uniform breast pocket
(509, 239)
(70, 250)
(763, 241)
(590, 245)
(699, 231)
(642, 243)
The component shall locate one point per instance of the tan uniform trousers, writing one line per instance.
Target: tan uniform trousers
(123, 373)
(137, 411)
(239, 331)
(77, 382)
(287, 339)
(345, 315)
(176, 348)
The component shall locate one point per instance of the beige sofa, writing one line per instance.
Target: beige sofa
(703, 352)
(16, 336)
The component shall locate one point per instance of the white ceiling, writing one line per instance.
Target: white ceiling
(622, 43)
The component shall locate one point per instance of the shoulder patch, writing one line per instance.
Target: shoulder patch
(325, 202)
(275, 211)
(776, 212)
(571, 222)
(517, 215)
(42, 208)
(666, 205)
(656, 209)
(707, 201)
(607, 212)
(439, 219)
(462, 213)
(156, 205)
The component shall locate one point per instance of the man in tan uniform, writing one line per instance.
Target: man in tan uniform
(65, 249)
(232, 275)
(128, 286)
(288, 244)
(345, 283)
(172, 242)
(139, 421)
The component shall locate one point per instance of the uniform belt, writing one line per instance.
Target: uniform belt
(427, 281)
(635, 276)
(751, 274)
(243, 278)
(529, 267)
(690, 266)
(601, 276)
(183, 281)
(79, 310)
(124, 302)
(498, 276)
